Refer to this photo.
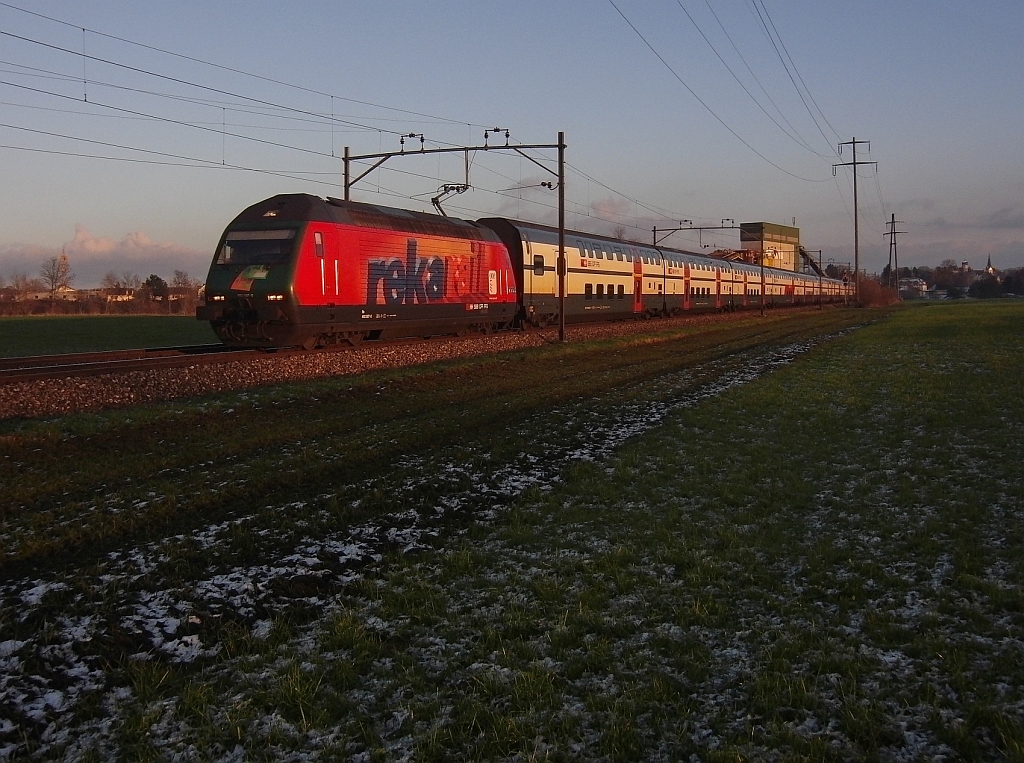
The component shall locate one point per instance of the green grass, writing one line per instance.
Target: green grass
(21, 336)
(822, 564)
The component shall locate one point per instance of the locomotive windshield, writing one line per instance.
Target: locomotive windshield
(257, 247)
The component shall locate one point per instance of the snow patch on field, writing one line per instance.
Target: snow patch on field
(44, 679)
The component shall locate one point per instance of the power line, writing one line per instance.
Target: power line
(739, 53)
(701, 101)
(797, 70)
(799, 141)
(788, 72)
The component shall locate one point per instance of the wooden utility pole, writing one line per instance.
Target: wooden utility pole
(856, 227)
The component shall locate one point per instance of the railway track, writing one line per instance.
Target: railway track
(37, 367)
(40, 367)
(43, 367)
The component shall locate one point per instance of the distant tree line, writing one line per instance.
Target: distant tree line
(991, 286)
(125, 292)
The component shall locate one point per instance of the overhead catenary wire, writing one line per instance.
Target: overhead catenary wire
(39, 73)
(169, 120)
(187, 162)
(178, 80)
(222, 67)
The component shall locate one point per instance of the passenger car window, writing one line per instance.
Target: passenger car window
(538, 264)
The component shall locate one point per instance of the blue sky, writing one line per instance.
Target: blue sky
(935, 86)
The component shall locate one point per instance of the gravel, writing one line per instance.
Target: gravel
(55, 397)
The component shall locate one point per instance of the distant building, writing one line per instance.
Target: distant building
(118, 294)
(65, 293)
(778, 244)
(913, 288)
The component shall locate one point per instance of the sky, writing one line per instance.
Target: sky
(132, 133)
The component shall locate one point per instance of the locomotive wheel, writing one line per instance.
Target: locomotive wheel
(310, 342)
(354, 337)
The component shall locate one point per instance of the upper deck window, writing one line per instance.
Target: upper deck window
(257, 247)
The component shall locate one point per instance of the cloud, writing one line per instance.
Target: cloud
(612, 209)
(91, 256)
(136, 245)
(1007, 218)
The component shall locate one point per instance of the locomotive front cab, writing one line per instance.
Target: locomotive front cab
(248, 290)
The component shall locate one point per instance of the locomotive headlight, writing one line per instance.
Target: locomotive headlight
(217, 298)
(275, 297)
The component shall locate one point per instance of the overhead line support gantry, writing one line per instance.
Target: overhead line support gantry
(520, 149)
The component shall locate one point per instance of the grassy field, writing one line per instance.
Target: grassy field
(792, 538)
(21, 336)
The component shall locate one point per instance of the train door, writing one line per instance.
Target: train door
(746, 290)
(718, 288)
(335, 254)
(686, 286)
(638, 283)
(529, 270)
(663, 284)
(320, 251)
(332, 287)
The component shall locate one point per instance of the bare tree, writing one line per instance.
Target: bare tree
(56, 274)
(110, 280)
(130, 280)
(23, 284)
(182, 280)
(619, 232)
